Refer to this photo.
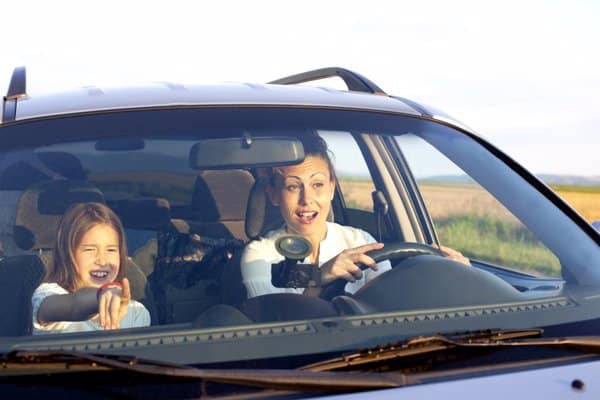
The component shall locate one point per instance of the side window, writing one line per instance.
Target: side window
(468, 218)
(354, 180)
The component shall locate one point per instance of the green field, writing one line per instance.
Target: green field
(574, 188)
(499, 242)
(470, 220)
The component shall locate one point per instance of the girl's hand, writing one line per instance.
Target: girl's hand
(112, 305)
(344, 264)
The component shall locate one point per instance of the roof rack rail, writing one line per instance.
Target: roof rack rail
(16, 91)
(353, 81)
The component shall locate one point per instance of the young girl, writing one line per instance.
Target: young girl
(85, 288)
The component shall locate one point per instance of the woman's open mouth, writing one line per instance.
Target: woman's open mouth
(306, 217)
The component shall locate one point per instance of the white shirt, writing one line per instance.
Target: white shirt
(260, 254)
(137, 315)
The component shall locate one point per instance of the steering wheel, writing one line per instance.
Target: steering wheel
(392, 251)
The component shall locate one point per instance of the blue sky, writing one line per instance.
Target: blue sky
(524, 74)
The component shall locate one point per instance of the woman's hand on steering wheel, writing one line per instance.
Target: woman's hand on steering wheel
(455, 255)
(376, 253)
(347, 264)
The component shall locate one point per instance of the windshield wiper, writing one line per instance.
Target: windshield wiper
(319, 377)
(43, 362)
(487, 339)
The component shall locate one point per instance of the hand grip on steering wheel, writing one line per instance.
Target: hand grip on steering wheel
(397, 250)
(391, 251)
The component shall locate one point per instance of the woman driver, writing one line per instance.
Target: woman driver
(303, 194)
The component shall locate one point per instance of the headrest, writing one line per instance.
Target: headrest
(142, 213)
(221, 195)
(261, 215)
(29, 168)
(41, 207)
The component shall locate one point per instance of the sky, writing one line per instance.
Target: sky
(523, 74)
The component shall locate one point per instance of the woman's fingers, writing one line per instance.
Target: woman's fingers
(355, 271)
(366, 260)
(455, 255)
(346, 275)
(346, 264)
(367, 247)
(358, 255)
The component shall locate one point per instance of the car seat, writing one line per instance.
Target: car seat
(143, 218)
(218, 207)
(39, 210)
(18, 171)
(192, 253)
(261, 217)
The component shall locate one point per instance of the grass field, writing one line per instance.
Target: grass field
(470, 220)
(451, 198)
(584, 199)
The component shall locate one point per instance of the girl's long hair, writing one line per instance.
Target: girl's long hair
(75, 223)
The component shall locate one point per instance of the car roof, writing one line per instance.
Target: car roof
(20, 106)
(167, 94)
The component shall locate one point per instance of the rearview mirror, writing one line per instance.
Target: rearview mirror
(246, 151)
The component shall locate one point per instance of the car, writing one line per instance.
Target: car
(187, 169)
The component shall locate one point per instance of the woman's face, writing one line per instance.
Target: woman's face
(97, 256)
(303, 194)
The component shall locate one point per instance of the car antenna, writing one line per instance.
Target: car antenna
(353, 81)
(16, 91)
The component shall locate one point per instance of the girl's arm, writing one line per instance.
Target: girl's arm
(111, 303)
(77, 306)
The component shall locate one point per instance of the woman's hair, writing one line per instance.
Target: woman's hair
(314, 145)
(75, 223)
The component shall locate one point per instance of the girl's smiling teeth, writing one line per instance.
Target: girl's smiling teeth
(99, 274)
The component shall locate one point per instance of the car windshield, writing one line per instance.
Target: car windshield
(471, 240)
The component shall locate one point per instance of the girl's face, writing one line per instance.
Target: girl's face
(97, 256)
(303, 194)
